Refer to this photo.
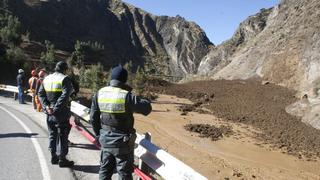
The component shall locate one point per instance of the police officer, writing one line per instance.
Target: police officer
(112, 120)
(54, 96)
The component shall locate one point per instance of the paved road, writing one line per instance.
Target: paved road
(23, 145)
(19, 158)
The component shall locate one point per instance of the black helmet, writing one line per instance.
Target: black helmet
(61, 66)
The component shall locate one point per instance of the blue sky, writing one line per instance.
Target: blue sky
(218, 18)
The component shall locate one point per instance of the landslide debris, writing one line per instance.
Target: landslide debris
(210, 131)
(261, 106)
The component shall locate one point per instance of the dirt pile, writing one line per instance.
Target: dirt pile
(262, 106)
(210, 131)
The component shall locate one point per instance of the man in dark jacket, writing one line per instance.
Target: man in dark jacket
(54, 96)
(112, 120)
(21, 85)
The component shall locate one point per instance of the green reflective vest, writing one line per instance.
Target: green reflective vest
(53, 82)
(112, 99)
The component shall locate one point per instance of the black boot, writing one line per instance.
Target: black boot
(64, 162)
(54, 158)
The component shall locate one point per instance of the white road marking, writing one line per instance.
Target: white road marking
(42, 160)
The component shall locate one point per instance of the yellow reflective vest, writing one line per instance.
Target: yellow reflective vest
(53, 82)
(112, 100)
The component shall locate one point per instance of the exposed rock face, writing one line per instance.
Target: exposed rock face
(221, 56)
(171, 44)
(185, 41)
(183, 44)
(280, 45)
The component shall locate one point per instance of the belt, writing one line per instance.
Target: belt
(114, 129)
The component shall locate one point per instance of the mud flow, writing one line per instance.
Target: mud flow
(251, 103)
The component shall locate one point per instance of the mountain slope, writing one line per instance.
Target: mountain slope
(167, 44)
(283, 50)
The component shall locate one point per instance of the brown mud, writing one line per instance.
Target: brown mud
(237, 156)
(251, 103)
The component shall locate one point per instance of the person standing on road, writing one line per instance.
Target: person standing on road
(21, 85)
(32, 86)
(113, 122)
(54, 96)
(41, 75)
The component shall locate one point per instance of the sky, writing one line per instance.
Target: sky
(218, 18)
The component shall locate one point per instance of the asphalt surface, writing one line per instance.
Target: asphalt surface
(24, 147)
(19, 157)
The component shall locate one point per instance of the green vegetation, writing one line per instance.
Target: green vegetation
(84, 50)
(93, 78)
(139, 81)
(48, 58)
(15, 54)
(10, 32)
(77, 57)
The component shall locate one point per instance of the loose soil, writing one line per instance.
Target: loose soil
(237, 156)
(207, 130)
(251, 103)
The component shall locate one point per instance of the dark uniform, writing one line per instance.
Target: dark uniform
(112, 120)
(21, 86)
(54, 96)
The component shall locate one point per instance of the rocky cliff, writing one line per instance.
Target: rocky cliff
(170, 44)
(280, 45)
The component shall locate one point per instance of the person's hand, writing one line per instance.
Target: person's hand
(49, 110)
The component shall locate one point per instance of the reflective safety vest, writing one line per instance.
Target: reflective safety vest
(112, 100)
(53, 82)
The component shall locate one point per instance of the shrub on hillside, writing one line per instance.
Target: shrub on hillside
(48, 58)
(93, 78)
(15, 54)
(10, 32)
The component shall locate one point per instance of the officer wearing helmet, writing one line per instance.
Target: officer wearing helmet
(32, 86)
(54, 96)
(113, 122)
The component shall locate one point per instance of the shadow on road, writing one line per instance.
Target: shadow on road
(17, 135)
(87, 168)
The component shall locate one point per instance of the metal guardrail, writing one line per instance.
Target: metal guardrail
(156, 158)
(167, 166)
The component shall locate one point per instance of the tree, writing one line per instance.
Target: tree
(77, 57)
(10, 32)
(48, 57)
(93, 78)
(15, 54)
(139, 81)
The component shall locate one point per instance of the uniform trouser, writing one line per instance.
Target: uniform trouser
(20, 95)
(111, 159)
(58, 136)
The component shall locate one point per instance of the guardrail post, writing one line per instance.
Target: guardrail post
(143, 166)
